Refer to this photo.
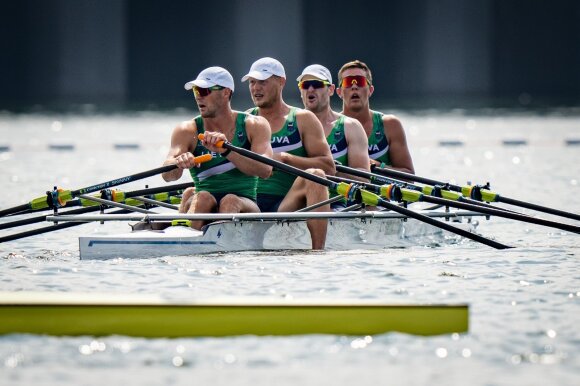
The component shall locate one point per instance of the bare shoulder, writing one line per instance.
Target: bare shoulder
(391, 120)
(305, 117)
(256, 121)
(352, 122)
(186, 127)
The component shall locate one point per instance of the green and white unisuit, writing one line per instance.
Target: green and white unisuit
(286, 140)
(219, 175)
(378, 142)
(338, 147)
(337, 142)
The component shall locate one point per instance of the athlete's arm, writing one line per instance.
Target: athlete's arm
(259, 134)
(399, 151)
(314, 141)
(183, 141)
(357, 142)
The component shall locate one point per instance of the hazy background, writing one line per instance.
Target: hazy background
(124, 54)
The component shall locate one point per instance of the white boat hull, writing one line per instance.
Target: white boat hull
(229, 236)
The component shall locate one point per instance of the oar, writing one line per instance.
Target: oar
(409, 195)
(474, 192)
(352, 191)
(62, 196)
(51, 228)
(160, 193)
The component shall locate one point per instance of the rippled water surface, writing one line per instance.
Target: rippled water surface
(524, 302)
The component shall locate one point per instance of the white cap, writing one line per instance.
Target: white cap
(212, 76)
(316, 70)
(264, 68)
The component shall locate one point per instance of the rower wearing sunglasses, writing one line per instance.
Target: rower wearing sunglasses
(387, 144)
(228, 182)
(346, 137)
(297, 140)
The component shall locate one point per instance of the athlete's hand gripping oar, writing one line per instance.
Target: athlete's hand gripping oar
(475, 192)
(409, 195)
(60, 198)
(368, 198)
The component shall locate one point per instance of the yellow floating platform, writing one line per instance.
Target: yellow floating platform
(74, 314)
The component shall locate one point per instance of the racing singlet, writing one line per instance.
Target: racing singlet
(220, 175)
(337, 142)
(378, 142)
(288, 140)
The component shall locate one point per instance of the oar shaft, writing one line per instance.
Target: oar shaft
(411, 177)
(19, 208)
(277, 164)
(37, 219)
(501, 213)
(457, 188)
(539, 208)
(442, 225)
(39, 231)
(332, 185)
(124, 180)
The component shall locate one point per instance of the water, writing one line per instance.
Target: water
(524, 302)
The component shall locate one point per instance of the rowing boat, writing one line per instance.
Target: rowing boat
(154, 237)
(395, 226)
(75, 314)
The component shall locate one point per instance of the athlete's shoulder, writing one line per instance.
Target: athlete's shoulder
(186, 126)
(254, 119)
(305, 115)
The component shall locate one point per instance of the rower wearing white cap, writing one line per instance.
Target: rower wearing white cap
(227, 183)
(345, 136)
(297, 140)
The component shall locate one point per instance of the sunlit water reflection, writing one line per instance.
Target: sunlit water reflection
(524, 302)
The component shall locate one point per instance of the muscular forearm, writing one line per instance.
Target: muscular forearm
(172, 175)
(322, 162)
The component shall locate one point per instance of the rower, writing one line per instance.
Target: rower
(227, 183)
(387, 144)
(346, 137)
(297, 140)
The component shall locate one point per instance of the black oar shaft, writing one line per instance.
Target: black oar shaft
(101, 186)
(19, 208)
(279, 165)
(442, 225)
(39, 231)
(539, 208)
(37, 219)
(457, 188)
(171, 190)
(124, 180)
(501, 213)
(473, 205)
(382, 202)
(411, 177)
